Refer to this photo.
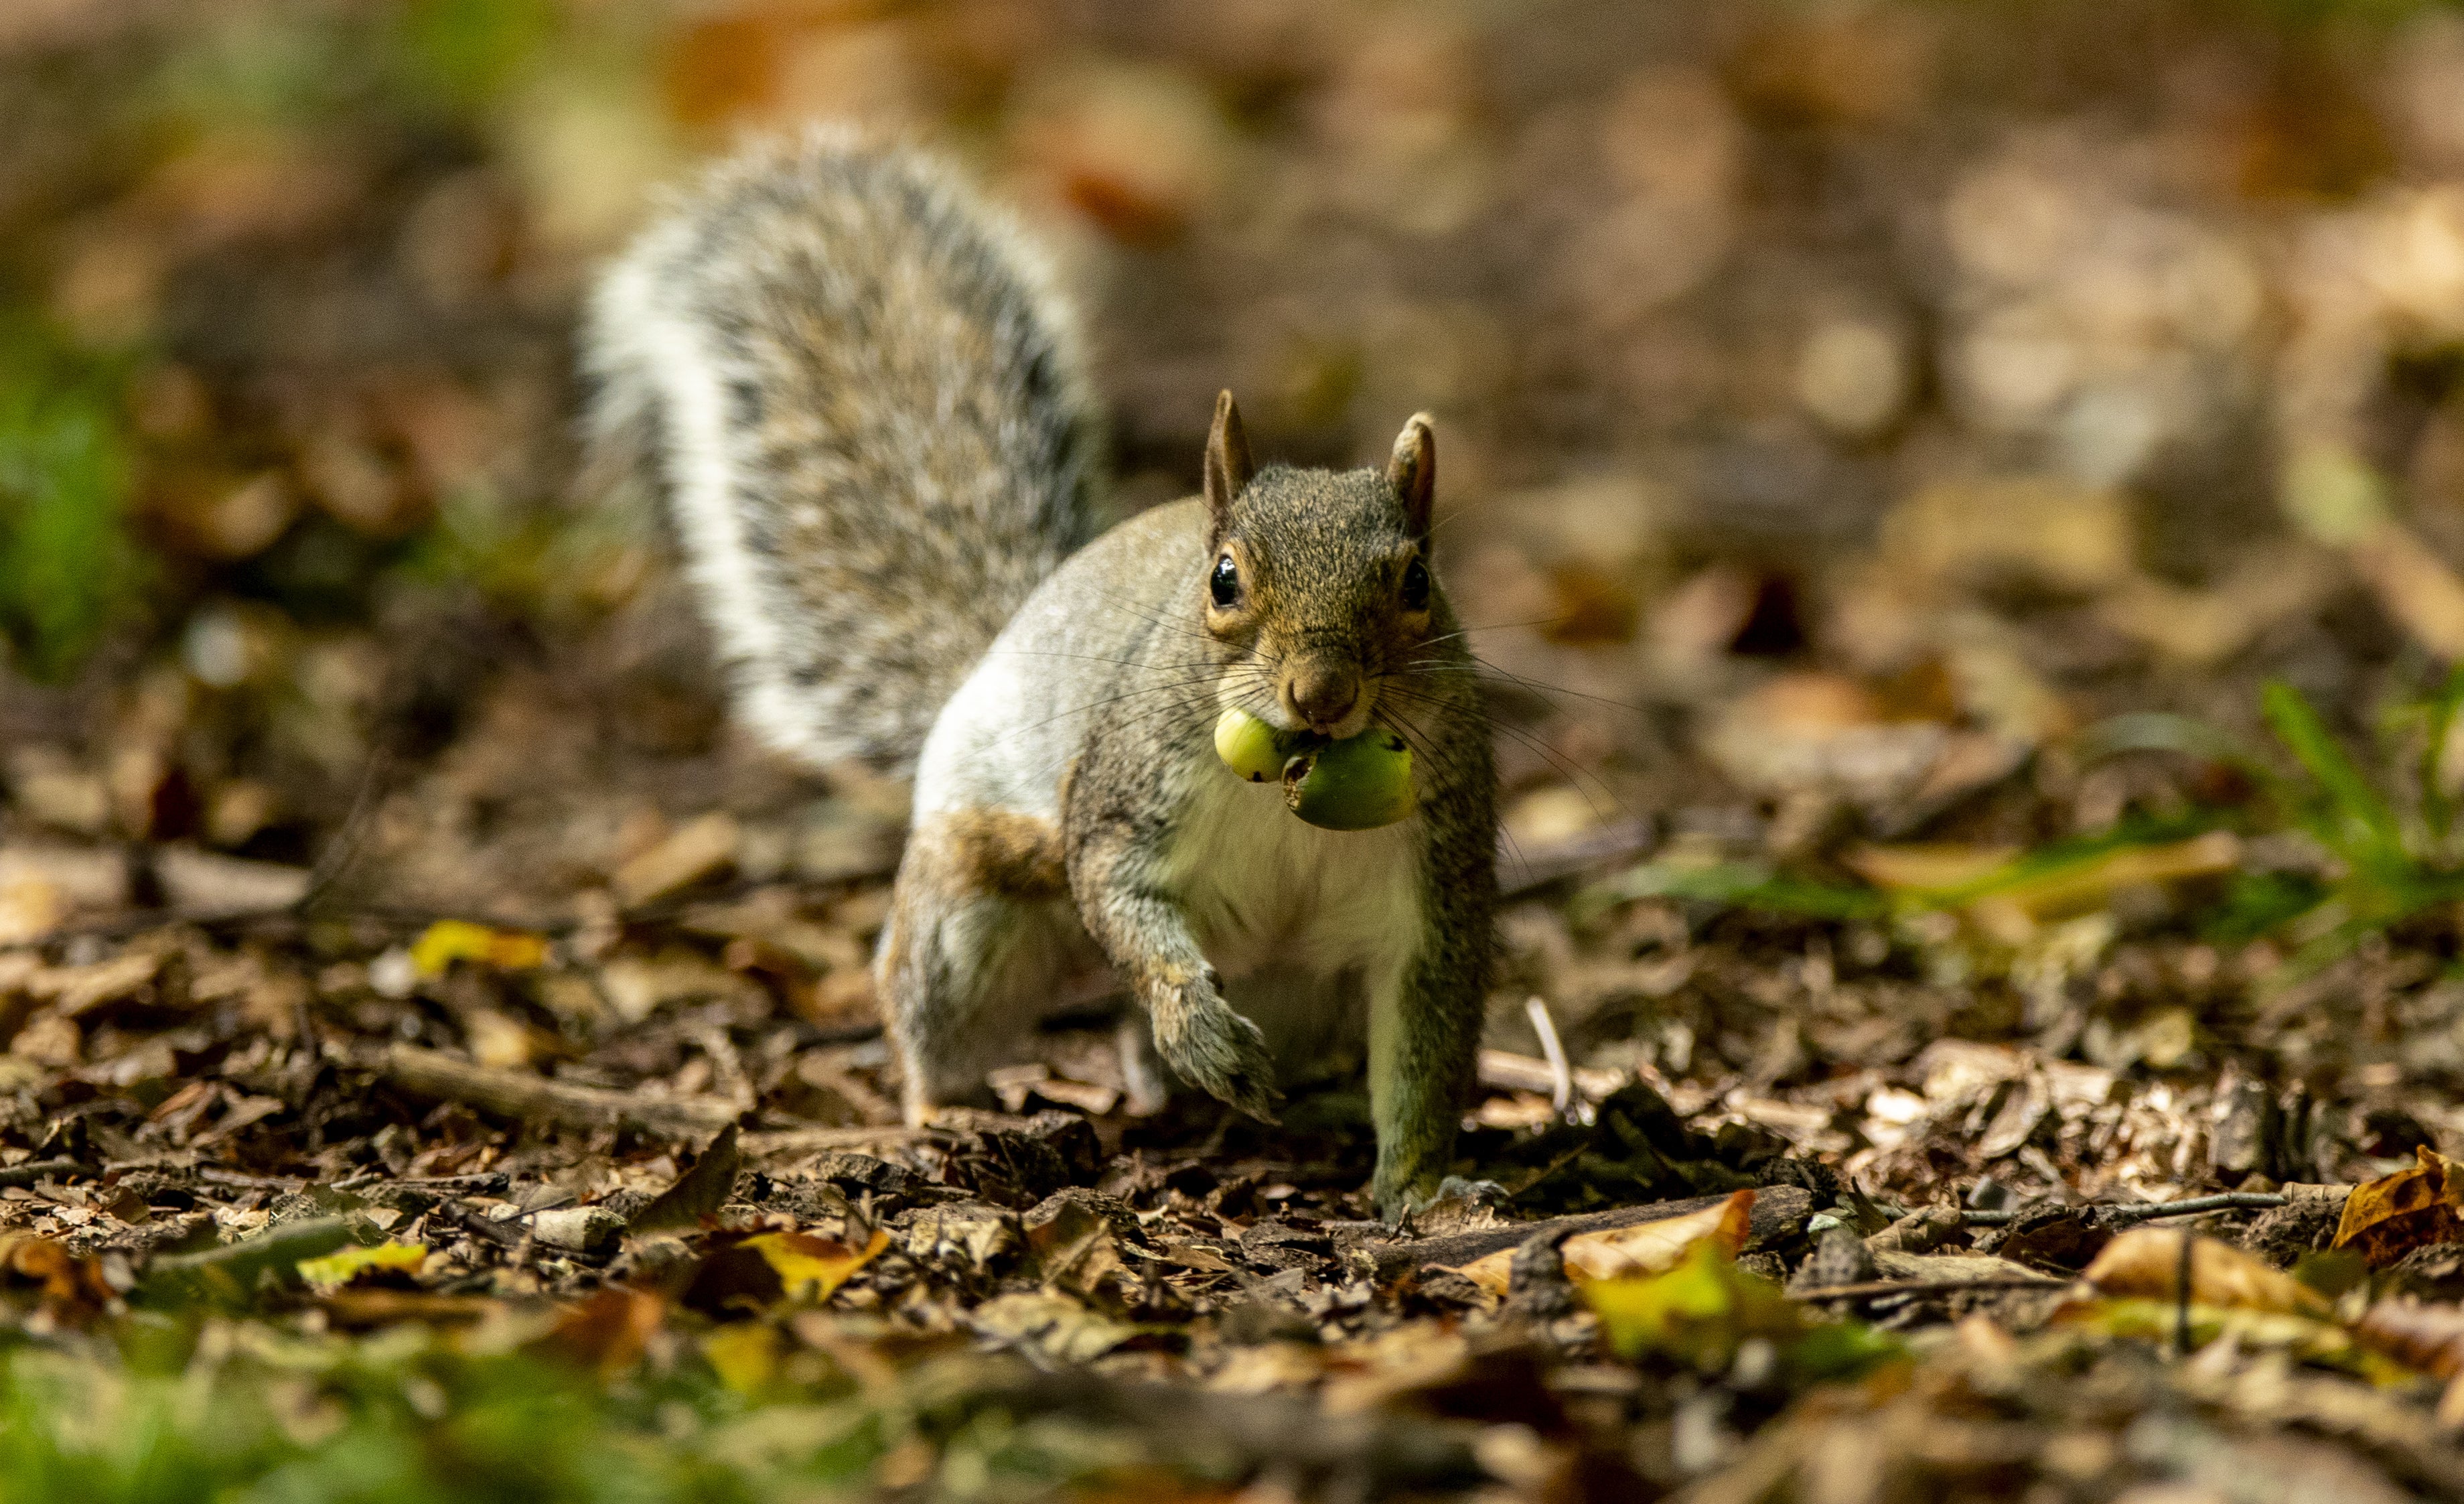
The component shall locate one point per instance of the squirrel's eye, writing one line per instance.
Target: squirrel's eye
(1416, 586)
(1226, 583)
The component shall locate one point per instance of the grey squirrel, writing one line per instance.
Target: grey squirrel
(866, 407)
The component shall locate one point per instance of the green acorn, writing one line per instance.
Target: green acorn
(1249, 747)
(1358, 783)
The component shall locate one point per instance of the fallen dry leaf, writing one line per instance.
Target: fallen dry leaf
(607, 1332)
(700, 849)
(697, 1193)
(809, 1268)
(339, 1269)
(1646, 1248)
(2145, 1263)
(75, 1287)
(745, 1356)
(1054, 1325)
(2427, 1338)
(2386, 1218)
(448, 941)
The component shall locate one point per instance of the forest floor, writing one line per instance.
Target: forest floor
(351, 1199)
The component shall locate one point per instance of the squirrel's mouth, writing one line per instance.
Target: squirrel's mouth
(1284, 716)
(1346, 726)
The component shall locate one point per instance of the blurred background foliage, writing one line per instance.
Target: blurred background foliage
(1859, 395)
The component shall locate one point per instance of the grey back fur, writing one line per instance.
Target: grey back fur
(869, 414)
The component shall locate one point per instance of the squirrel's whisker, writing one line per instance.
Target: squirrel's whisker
(1574, 776)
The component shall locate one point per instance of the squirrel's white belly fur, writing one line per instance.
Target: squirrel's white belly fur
(1263, 890)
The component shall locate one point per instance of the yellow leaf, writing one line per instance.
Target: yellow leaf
(448, 941)
(1646, 1248)
(745, 1356)
(2159, 1322)
(1697, 1312)
(2071, 889)
(2386, 1218)
(1945, 874)
(810, 1268)
(2145, 1264)
(339, 1269)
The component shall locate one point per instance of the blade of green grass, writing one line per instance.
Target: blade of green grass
(2365, 814)
(1739, 884)
(2437, 810)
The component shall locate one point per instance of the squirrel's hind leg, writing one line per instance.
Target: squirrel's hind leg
(981, 944)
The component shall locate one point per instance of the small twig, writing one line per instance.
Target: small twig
(479, 1183)
(814, 1141)
(537, 1098)
(479, 1227)
(1778, 1210)
(1928, 1286)
(34, 1170)
(344, 848)
(2182, 1310)
(1561, 1077)
(2140, 1211)
(216, 1175)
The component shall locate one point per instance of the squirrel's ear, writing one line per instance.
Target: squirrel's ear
(1227, 461)
(1414, 471)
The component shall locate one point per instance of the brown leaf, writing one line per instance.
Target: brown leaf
(75, 1287)
(2386, 1218)
(694, 852)
(607, 1332)
(742, 1274)
(2145, 1263)
(697, 1193)
(2427, 1338)
(1644, 1248)
(361, 1309)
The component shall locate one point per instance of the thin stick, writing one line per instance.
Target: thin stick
(814, 1141)
(1561, 1080)
(2142, 1210)
(2182, 1310)
(536, 1098)
(34, 1170)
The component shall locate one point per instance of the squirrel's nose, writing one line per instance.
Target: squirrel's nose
(1322, 694)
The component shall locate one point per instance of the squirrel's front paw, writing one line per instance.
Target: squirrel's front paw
(1217, 1050)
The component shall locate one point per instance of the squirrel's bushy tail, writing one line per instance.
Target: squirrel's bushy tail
(870, 416)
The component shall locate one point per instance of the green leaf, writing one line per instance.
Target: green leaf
(339, 1267)
(2307, 738)
(1703, 1311)
(1744, 885)
(469, 52)
(2260, 903)
(67, 566)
